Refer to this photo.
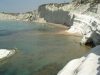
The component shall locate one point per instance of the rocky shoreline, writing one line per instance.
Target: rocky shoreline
(82, 16)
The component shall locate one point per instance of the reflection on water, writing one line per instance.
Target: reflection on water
(41, 51)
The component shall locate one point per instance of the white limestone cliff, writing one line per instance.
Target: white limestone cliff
(82, 16)
(56, 13)
(28, 16)
(87, 26)
(77, 16)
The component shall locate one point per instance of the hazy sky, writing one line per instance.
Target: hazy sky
(24, 5)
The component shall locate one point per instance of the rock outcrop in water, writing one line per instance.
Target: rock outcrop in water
(4, 53)
(82, 16)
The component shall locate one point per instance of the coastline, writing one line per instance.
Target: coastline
(85, 22)
(63, 32)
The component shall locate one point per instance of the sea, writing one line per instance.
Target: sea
(40, 50)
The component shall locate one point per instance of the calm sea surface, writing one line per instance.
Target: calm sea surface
(41, 52)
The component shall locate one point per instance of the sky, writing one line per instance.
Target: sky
(21, 6)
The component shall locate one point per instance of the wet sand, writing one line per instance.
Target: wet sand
(63, 31)
(59, 25)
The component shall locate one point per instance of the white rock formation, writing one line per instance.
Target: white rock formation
(87, 26)
(89, 64)
(4, 53)
(28, 16)
(56, 13)
(82, 19)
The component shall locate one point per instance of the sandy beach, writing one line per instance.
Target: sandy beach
(63, 31)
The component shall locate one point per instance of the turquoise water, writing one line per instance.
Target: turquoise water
(41, 51)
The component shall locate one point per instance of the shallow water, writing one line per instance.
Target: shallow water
(41, 52)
